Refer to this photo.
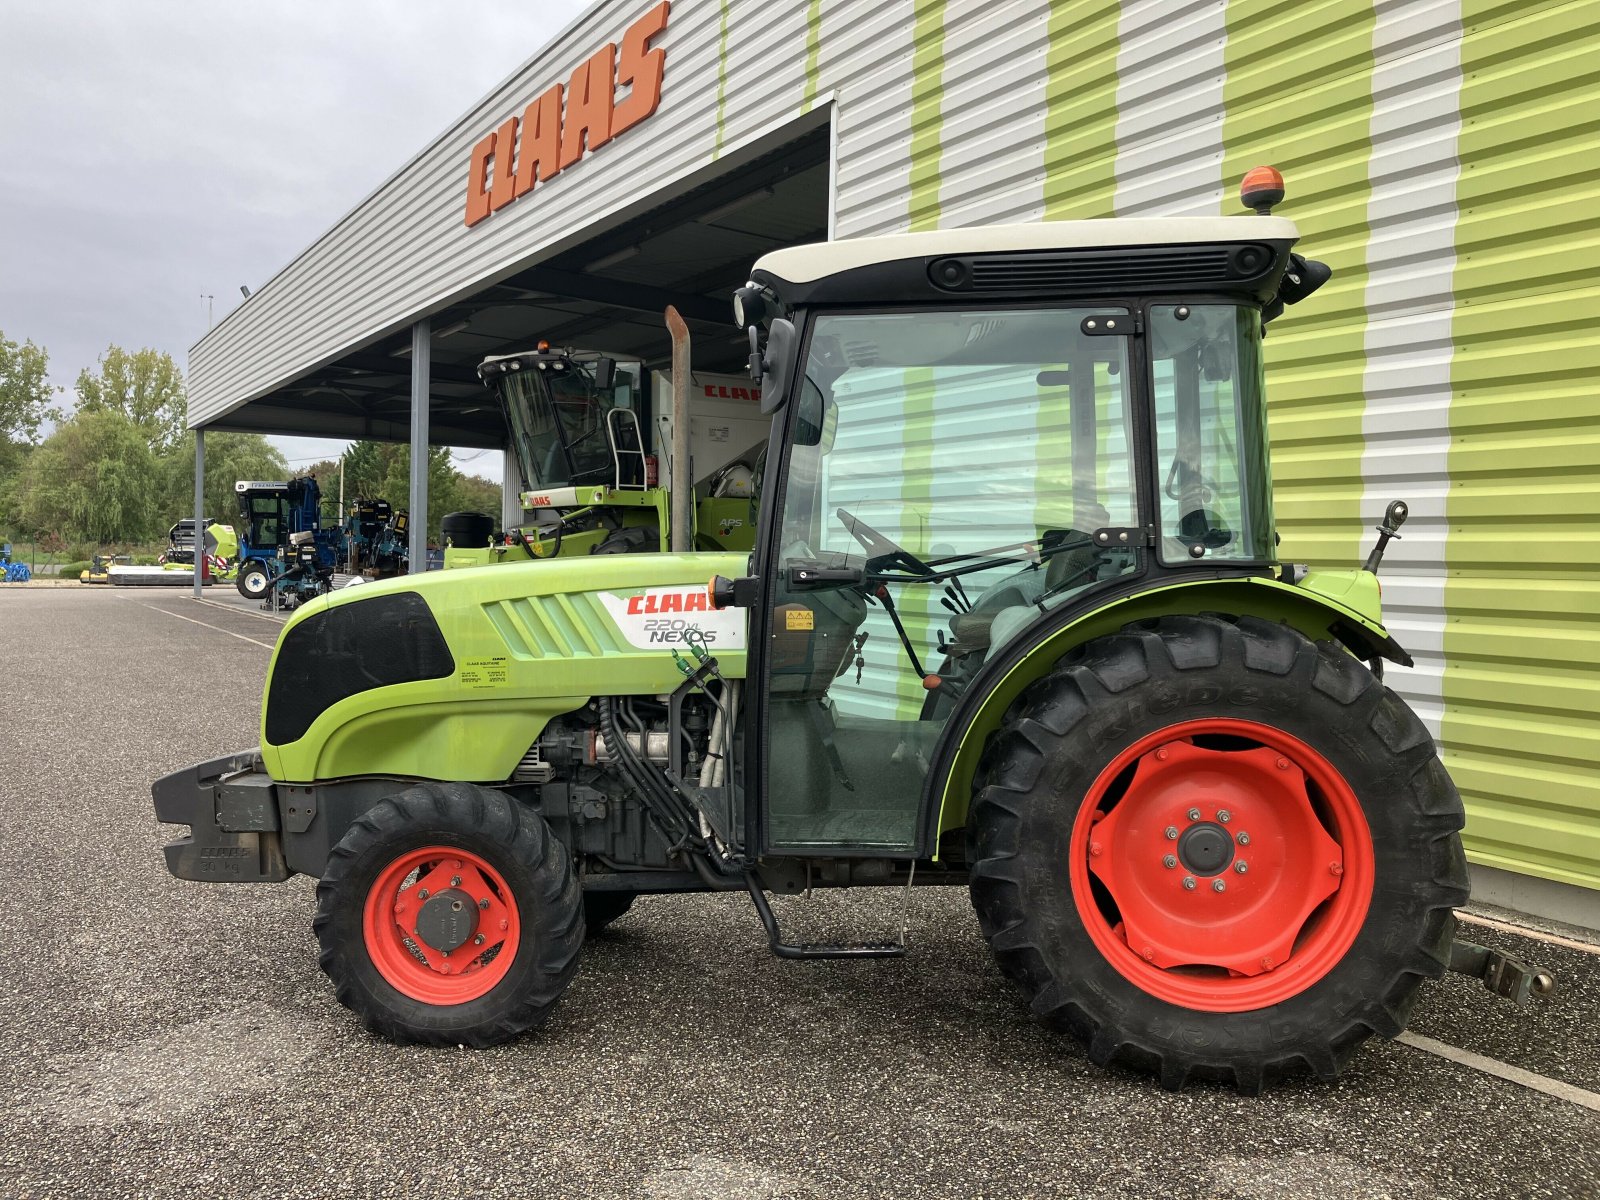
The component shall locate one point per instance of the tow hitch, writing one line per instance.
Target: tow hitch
(1503, 974)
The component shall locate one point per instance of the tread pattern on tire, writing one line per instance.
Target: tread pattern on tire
(1422, 873)
(550, 913)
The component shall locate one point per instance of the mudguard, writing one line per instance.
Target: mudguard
(1338, 605)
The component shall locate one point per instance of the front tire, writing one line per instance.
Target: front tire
(449, 914)
(254, 581)
(1210, 848)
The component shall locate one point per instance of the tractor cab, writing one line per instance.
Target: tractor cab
(984, 432)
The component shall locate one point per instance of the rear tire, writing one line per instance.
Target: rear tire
(1126, 757)
(495, 872)
(253, 582)
(602, 908)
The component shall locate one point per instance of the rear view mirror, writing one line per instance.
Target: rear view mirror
(605, 374)
(775, 363)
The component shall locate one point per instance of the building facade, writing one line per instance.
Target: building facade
(1440, 156)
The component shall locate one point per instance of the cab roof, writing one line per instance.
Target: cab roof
(818, 260)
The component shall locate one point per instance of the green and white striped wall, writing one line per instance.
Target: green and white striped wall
(1444, 157)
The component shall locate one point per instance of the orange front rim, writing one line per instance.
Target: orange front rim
(1222, 865)
(441, 926)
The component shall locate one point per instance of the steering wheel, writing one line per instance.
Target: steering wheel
(882, 552)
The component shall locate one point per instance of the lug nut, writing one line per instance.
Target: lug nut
(1283, 764)
(1224, 816)
(1148, 953)
(455, 881)
(1188, 883)
(1267, 964)
(1243, 839)
(478, 941)
(1170, 861)
(1161, 754)
(1218, 886)
(1240, 867)
(1096, 849)
(484, 903)
(1172, 833)
(1336, 868)
(423, 894)
(1194, 814)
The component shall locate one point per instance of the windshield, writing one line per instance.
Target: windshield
(558, 422)
(1212, 473)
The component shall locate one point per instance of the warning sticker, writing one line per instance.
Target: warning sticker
(485, 672)
(799, 618)
(660, 618)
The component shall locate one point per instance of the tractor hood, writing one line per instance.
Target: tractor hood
(453, 674)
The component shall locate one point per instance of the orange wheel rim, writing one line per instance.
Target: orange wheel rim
(1222, 865)
(441, 926)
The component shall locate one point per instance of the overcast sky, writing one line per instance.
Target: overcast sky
(156, 152)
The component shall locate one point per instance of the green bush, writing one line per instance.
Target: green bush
(72, 570)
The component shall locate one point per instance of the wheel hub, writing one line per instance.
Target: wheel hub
(1205, 848)
(1243, 821)
(447, 919)
(441, 925)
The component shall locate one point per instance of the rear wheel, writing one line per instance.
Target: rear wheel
(1212, 849)
(449, 914)
(253, 581)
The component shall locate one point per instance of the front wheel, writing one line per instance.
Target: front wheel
(449, 914)
(1213, 849)
(253, 581)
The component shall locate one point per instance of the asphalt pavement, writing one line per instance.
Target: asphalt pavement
(165, 1038)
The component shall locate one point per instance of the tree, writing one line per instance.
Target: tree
(477, 494)
(146, 387)
(25, 392)
(93, 480)
(230, 457)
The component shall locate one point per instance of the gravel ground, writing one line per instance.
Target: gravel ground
(172, 1039)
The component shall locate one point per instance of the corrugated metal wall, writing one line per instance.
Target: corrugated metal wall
(1522, 593)
(1440, 155)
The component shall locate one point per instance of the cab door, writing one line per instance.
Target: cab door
(940, 477)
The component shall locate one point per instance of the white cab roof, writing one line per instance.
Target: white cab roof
(804, 264)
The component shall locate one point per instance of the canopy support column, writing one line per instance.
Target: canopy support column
(199, 510)
(421, 370)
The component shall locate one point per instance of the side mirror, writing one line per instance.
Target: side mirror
(605, 374)
(775, 364)
(1304, 276)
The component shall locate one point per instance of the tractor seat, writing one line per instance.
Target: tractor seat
(974, 630)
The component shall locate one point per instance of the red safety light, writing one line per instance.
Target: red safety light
(1261, 188)
(543, 346)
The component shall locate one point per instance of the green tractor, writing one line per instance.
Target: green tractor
(574, 419)
(1014, 619)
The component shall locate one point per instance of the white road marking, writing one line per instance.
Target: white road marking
(243, 612)
(1502, 1070)
(1552, 939)
(192, 621)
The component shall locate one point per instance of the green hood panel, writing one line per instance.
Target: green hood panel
(529, 641)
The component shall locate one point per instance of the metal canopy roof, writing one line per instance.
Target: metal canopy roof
(608, 292)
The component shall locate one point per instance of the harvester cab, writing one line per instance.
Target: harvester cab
(1014, 620)
(579, 432)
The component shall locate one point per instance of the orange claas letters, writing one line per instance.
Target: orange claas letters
(509, 161)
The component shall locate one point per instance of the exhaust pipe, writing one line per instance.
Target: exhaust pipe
(681, 479)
